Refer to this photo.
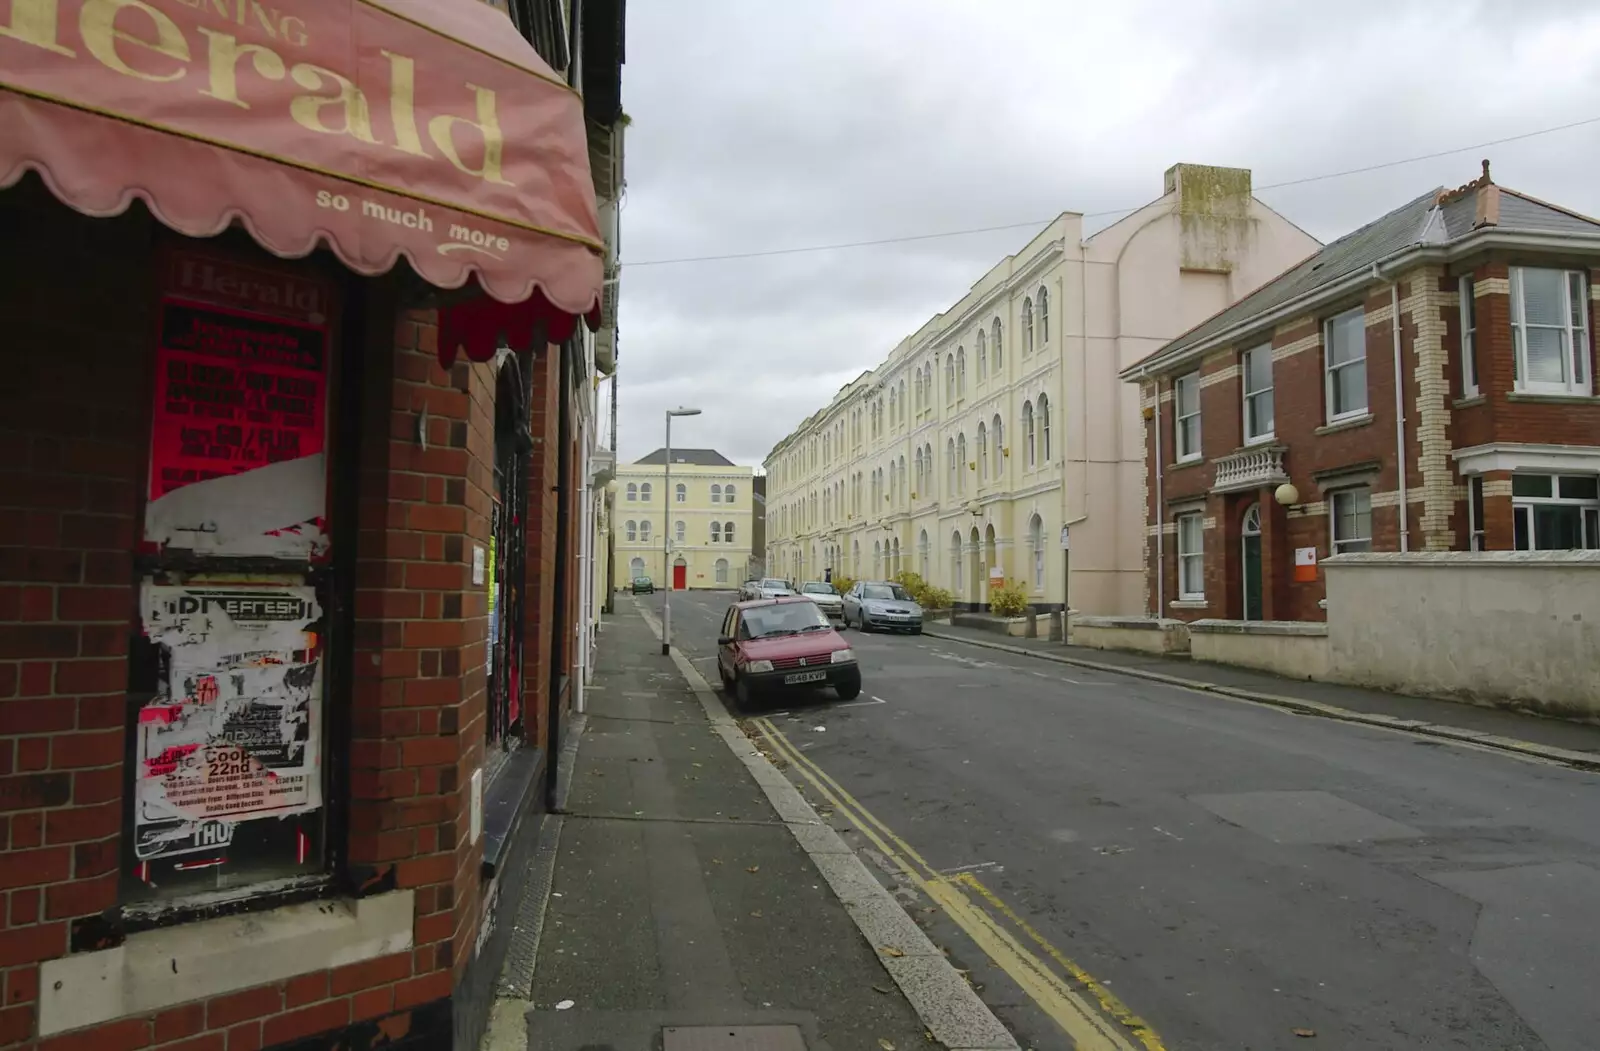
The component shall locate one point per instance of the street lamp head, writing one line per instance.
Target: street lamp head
(681, 411)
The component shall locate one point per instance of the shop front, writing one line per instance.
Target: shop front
(291, 299)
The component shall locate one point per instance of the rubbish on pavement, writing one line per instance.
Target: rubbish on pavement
(564, 1005)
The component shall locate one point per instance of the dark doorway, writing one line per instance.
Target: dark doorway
(1250, 544)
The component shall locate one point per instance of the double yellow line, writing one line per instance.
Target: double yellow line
(1085, 1009)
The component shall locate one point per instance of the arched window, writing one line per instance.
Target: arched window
(682, 493)
(1044, 315)
(633, 532)
(722, 570)
(961, 372)
(636, 568)
(997, 435)
(680, 530)
(904, 489)
(982, 347)
(644, 532)
(902, 401)
(716, 532)
(727, 494)
(961, 459)
(894, 557)
(983, 453)
(949, 378)
(644, 492)
(955, 562)
(1036, 541)
(855, 556)
(923, 554)
(1044, 428)
(916, 463)
(633, 491)
(1027, 432)
(727, 532)
(950, 465)
(996, 336)
(716, 494)
(894, 404)
(1027, 325)
(877, 559)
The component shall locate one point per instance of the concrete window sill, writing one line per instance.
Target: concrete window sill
(1182, 465)
(1189, 603)
(1344, 425)
(1553, 399)
(1470, 400)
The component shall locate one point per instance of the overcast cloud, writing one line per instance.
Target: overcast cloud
(772, 124)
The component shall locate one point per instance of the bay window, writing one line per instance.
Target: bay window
(1556, 512)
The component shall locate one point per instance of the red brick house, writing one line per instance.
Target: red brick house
(288, 504)
(1425, 383)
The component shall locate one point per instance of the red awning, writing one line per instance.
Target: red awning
(423, 128)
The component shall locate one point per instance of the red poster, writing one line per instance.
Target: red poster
(237, 393)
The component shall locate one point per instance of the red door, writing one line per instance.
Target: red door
(680, 577)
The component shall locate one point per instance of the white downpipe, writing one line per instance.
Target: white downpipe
(1399, 415)
(1160, 523)
(581, 650)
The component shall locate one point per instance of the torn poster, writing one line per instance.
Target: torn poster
(234, 731)
(237, 439)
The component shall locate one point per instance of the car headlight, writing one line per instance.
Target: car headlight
(758, 666)
(844, 656)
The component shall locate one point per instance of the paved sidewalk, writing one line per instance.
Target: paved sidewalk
(1577, 743)
(681, 898)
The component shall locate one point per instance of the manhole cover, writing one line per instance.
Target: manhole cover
(732, 1038)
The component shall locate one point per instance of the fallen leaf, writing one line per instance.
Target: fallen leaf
(564, 1005)
(889, 950)
(881, 989)
(753, 868)
(887, 1045)
(756, 914)
(1305, 1033)
(716, 861)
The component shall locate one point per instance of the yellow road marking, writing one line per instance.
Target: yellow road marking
(1089, 1028)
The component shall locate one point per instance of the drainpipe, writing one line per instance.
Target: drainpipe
(1161, 533)
(563, 552)
(1399, 411)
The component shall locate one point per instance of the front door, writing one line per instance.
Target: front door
(680, 577)
(1250, 541)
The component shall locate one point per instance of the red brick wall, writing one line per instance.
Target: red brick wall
(76, 317)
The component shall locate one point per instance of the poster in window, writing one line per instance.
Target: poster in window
(237, 434)
(233, 733)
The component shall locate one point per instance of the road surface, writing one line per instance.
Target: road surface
(1123, 864)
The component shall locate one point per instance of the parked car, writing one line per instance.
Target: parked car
(825, 595)
(749, 589)
(643, 586)
(873, 604)
(773, 645)
(773, 587)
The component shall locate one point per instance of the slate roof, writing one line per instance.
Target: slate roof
(691, 457)
(1421, 221)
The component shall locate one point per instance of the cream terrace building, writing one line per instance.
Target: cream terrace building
(1002, 419)
(707, 512)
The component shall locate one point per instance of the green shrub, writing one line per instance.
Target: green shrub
(927, 595)
(1009, 599)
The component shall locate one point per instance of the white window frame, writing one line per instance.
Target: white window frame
(1253, 398)
(1522, 507)
(727, 532)
(644, 531)
(716, 532)
(1187, 446)
(1330, 370)
(728, 493)
(1475, 527)
(721, 566)
(1339, 545)
(633, 492)
(632, 529)
(680, 530)
(1043, 305)
(1577, 349)
(1191, 563)
(1469, 336)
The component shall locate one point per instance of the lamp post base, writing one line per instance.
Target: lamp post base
(666, 649)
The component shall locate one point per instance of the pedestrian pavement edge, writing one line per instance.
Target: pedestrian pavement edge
(949, 1008)
(1564, 756)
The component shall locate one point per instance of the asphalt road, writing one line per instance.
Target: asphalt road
(1210, 874)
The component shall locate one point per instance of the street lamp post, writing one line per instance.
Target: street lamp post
(666, 534)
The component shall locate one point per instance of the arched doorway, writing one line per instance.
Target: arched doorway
(1250, 559)
(923, 555)
(975, 588)
(636, 569)
(680, 575)
(991, 554)
(956, 579)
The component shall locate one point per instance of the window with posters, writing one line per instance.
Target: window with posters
(507, 543)
(227, 729)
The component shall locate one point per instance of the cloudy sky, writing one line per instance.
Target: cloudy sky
(763, 125)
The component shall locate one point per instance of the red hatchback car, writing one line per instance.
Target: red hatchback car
(785, 643)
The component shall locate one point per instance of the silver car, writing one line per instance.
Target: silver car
(772, 587)
(825, 595)
(882, 604)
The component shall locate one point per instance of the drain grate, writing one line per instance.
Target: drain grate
(732, 1038)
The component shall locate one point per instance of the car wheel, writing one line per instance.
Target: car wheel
(744, 693)
(850, 689)
(722, 673)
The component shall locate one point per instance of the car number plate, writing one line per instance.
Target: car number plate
(805, 676)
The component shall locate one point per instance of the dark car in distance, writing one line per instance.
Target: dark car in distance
(769, 646)
(644, 586)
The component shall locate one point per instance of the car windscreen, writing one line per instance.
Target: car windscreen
(787, 618)
(893, 592)
(771, 583)
(818, 589)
